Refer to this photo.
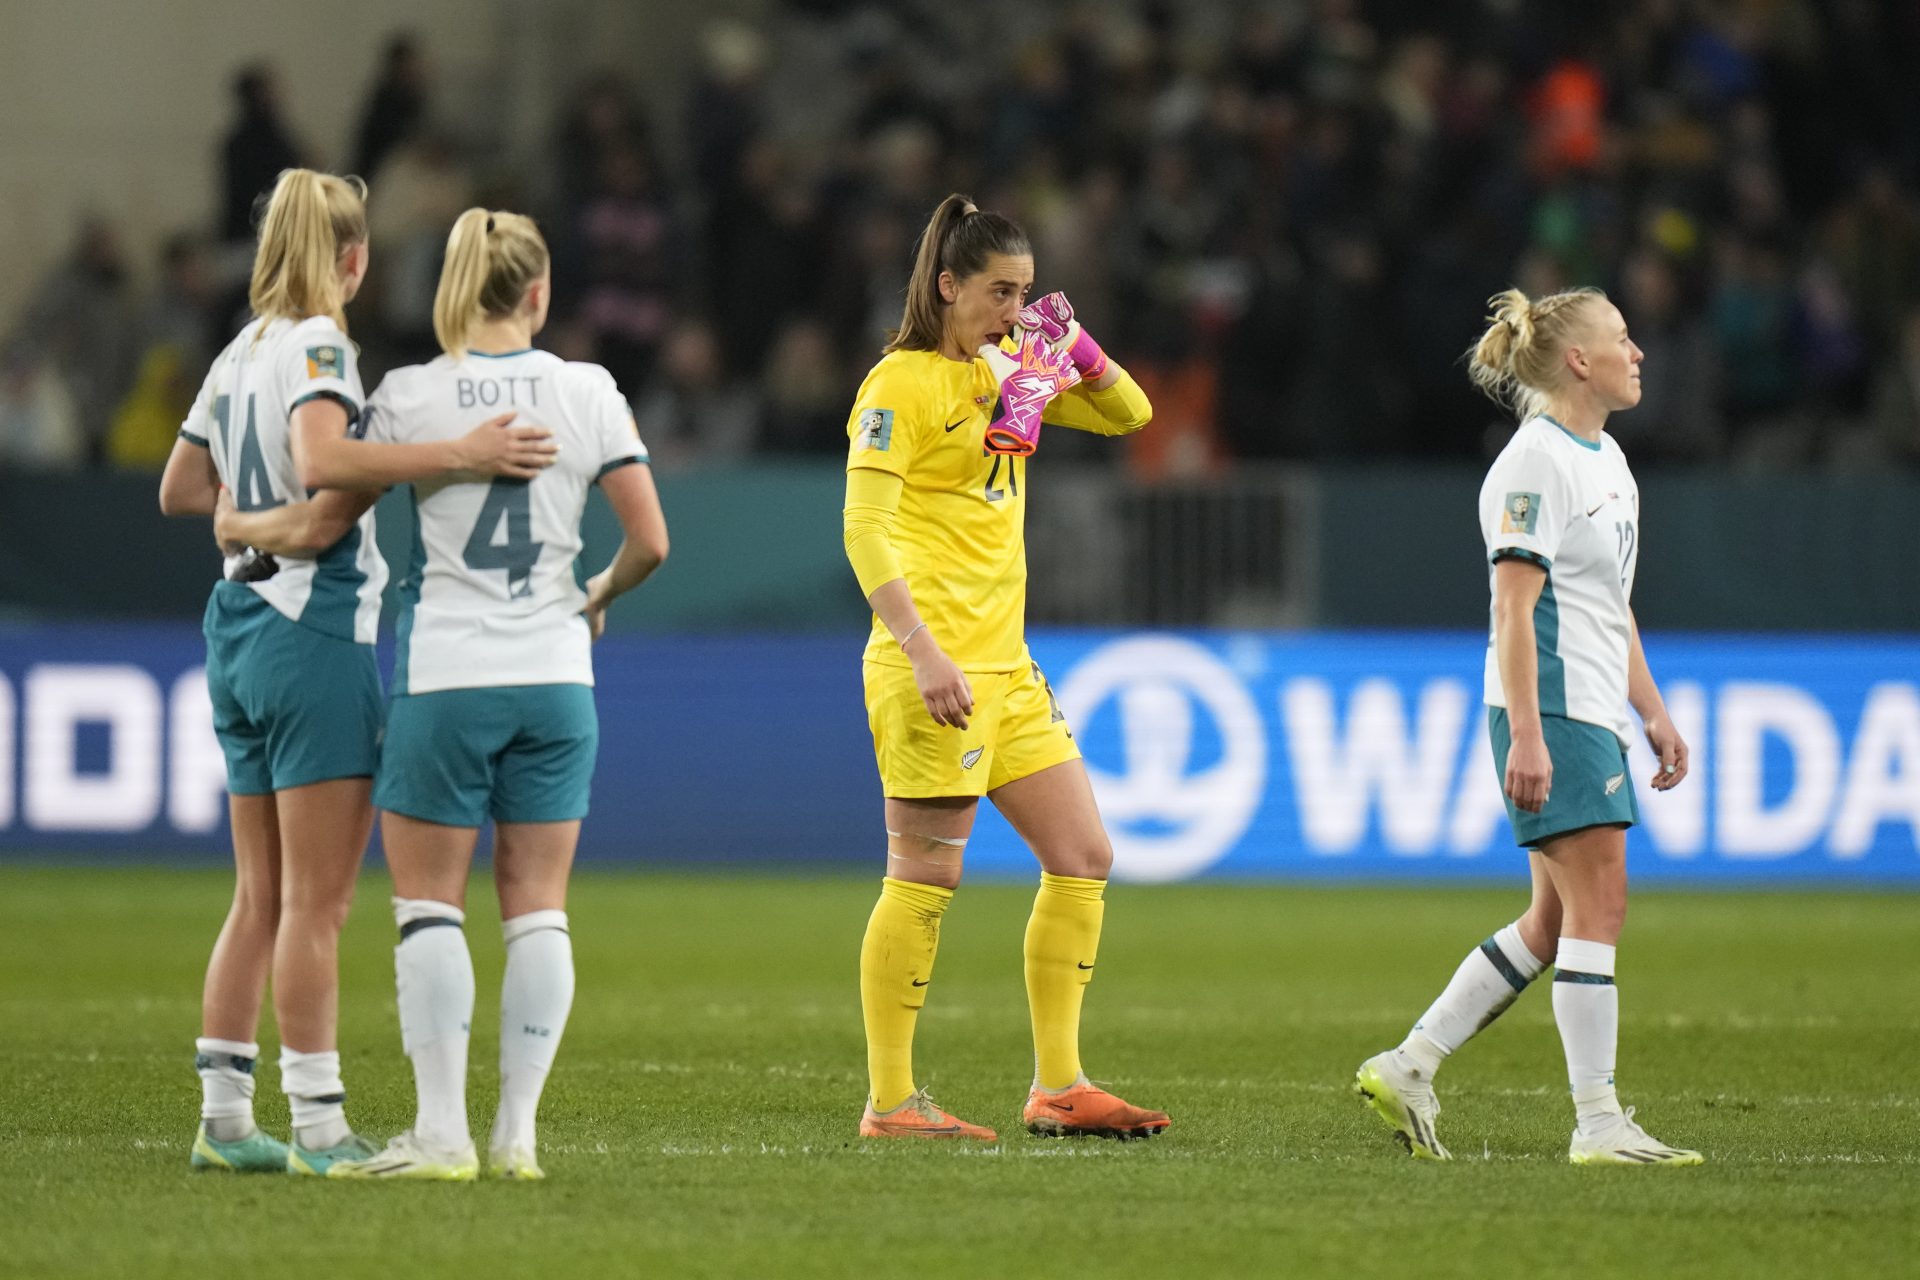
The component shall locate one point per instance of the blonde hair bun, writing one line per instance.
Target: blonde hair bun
(1517, 358)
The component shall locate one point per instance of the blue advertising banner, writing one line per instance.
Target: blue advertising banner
(1351, 755)
(711, 749)
(1365, 755)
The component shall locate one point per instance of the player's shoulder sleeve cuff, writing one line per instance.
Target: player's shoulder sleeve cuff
(341, 398)
(192, 438)
(1520, 553)
(617, 463)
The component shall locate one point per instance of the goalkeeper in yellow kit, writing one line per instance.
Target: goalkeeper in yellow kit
(935, 512)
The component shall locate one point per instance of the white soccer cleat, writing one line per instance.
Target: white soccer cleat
(1618, 1140)
(408, 1158)
(1404, 1099)
(515, 1164)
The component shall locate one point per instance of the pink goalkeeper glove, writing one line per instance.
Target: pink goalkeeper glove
(1053, 317)
(1029, 376)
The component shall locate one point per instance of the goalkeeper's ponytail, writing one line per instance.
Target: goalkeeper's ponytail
(491, 259)
(958, 238)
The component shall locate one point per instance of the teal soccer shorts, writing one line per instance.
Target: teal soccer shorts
(521, 753)
(1590, 783)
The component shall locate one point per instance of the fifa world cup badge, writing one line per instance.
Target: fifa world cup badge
(1522, 510)
(876, 430)
(323, 362)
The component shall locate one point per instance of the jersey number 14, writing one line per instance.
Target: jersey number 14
(251, 482)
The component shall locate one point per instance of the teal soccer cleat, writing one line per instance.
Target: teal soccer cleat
(315, 1164)
(258, 1152)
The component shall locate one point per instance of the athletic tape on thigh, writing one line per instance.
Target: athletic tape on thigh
(938, 851)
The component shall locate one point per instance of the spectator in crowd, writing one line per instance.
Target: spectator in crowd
(620, 255)
(424, 186)
(176, 341)
(1677, 418)
(766, 249)
(257, 148)
(397, 108)
(39, 428)
(1286, 209)
(604, 120)
(79, 325)
(695, 411)
(806, 408)
(1892, 433)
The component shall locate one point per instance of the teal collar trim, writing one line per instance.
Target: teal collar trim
(1579, 440)
(502, 355)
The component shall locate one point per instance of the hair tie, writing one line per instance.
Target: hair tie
(489, 224)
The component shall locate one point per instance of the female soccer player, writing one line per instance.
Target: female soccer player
(1561, 517)
(290, 666)
(492, 712)
(934, 527)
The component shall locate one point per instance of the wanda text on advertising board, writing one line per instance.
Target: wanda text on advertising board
(1227, 754)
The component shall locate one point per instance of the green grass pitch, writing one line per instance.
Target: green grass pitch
(701, 1117)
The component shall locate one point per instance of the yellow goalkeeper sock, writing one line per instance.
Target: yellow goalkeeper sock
(896, 964)
(1063, 936)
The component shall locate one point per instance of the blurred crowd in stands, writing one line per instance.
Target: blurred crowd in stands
(1284, 218)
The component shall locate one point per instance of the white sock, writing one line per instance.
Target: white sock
(225, 1068)
(535, 996)
(434, 972)
(318, 1100)
(1586, 1005)
(1491, 977)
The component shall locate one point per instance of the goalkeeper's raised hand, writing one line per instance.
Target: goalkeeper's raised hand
(1053, 317)
(1029, 376)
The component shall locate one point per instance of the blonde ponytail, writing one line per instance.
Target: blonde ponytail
(957, 238)
(492, 257)
(311, 220)
(1517, 360)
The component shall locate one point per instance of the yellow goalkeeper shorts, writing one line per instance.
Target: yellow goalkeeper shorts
(1016, 729)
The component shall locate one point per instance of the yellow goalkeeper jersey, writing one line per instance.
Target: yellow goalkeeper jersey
(960, 530)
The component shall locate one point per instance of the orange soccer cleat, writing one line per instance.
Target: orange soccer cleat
(1083, 1109)
(920, 1117)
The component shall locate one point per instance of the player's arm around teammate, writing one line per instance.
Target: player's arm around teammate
(1560, 513)
(350, 471)
(934, 529)
(492, 714)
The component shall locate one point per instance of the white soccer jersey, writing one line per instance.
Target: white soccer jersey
(489, 596)
(243, 415)
(1572, 508)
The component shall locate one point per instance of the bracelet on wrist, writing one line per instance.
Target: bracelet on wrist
(910, 635)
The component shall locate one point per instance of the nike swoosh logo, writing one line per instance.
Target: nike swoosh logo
(921, 982)
(1061, 1106)
(1589, 513)
(952, 425)
(1086, 966)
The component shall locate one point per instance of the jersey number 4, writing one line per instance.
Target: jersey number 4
(252, 484)
(507, 503)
